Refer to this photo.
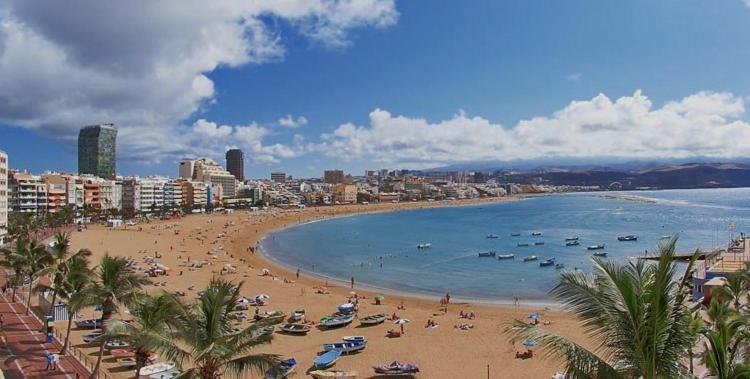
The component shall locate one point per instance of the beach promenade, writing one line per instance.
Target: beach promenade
(23, 348)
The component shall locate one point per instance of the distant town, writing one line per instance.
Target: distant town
(202, 184)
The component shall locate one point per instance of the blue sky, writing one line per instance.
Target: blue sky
(422, 83)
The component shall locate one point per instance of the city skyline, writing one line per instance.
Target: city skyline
(386, 85)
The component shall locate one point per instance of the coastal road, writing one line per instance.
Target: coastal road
(22, 347)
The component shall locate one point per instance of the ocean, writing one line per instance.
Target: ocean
(380, 250)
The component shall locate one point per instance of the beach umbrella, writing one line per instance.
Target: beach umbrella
(529, 342)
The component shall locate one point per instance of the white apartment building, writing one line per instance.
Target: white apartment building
(28, 193)
(207, 171)
(152, 193)
(3, 196)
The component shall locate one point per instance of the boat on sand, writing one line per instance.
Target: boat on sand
(295, 328)
(327, 359)
(333, 374)
(373, 319)
(396, 368)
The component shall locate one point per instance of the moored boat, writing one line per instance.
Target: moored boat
(424, 246)
(572, 243)
(396, 368)
(559, 266)
(530, 258)
(628, 238)
(536, 234)
(521, 244)
(336, 321)
(373, 319)
(352, 338)
(596, 247)
(600, 254)
(327, 359)
(539, 243)
(547, 262)
(515, 234)
(88, 323)
(571, 238)
(487, 254)
(506, 256)
(492, 236)
(295, 328)
(333, 374)
(345, 347)
(169, 374)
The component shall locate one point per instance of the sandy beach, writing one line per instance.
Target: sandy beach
(223, 241)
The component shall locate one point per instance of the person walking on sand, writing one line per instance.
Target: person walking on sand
(352, 282)
(298, 274)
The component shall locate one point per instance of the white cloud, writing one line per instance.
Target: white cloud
(289, 121)
(747, 2)
(576, 76)
(704, 124)
(143, 64)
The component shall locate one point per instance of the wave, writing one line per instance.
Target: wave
(674, 202)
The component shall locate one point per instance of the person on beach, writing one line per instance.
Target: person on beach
(298, 274)
(352, 282)
(2, 321)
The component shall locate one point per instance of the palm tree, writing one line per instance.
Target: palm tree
(151, 329)
(12, 262)
(207, 340)
(73, 288)
(734, 289)
(114, 285)
(61, 261)
(32, 260)
(725, 346)
(634, 311)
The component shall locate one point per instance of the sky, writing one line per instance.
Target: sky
(307, 85)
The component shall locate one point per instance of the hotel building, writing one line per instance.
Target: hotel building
(3, 196)
(96, 150)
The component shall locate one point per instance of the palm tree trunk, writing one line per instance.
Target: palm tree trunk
(106, 315)
(28, 297)
(67, 333)
(95, 373)
(52, 306)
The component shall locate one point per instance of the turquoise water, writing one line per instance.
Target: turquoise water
(356, 246)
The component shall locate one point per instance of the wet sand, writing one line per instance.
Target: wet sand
(220, 240)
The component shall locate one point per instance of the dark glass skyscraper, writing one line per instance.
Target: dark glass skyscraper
(236, 163)
(96, 150)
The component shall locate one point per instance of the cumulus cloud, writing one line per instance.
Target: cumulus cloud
(289, 121)
(704, 124)
(143, 64)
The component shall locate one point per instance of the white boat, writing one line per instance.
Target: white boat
(156, 368)
(596, 247)
(352, 338)
(506, 256)
(295, 328)
(336, 321)
(345, 347)
(530, 258)
(600, 254)
(424, 246)
(333, 374)
(169, 374)
(298, 314)
(373, 319)
(572, 238)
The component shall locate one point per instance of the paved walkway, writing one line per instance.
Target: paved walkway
(22, 346)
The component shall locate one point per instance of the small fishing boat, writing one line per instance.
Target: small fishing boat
(295, 328)
(283, 370)
(396, 368)
(156, 368)
(628, 238)
(298, 314)
(487, 254)
(336, 321)
(515, 234)
(88, 323)
(373, 319)
(169, 374)
(352, 338)
(345, 347)
(596, 247)
(538, 243)
(506, 256)
(521, 244)
(530, 258)
(492, 236)
(333, 374)
(536, 234)
(327, 359)
(424, 246)
(265, 315)
(547, 262)
(600, 254)
(572, 238)
(572, 243)
(559, 266)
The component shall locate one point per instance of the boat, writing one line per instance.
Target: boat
(487, 254)
(352, 338)
(326, 359)
(333, 374)
(572, 238)
(156, 368)
(295, 328)
(506, 256)
(88, 323)
(515, 234)
(538, 243)
(396, 368)
(88, 338)
(530, 258)
(116, 344)
(493, 236)
(345, 347)
(600, 254)
(547, 262)
(373, 319)
(298, 314)
(424, 246)
(628, 238)
(572, 243)
(536, 234)
(596, 247)
(336, 321)
(665, 237)
(169, 374)
(265, 315)
(559, 266)
(283, 370)
(520, 244)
